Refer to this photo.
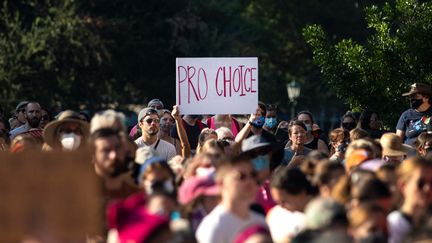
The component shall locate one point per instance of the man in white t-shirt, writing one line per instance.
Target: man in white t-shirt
(237, 181)
(148, 121)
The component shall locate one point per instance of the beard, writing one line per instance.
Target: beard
(34, 122)
(152, 131)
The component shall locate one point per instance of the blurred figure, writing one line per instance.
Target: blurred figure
(130, 221)
(111, 162)
(368, 223)
(199, 196)
(154, 171)
(423, 145)
(327, 174)
(292, 192)
(414, 181)
(358, 133)
(254, 234)
(25, 142)
(259, 151)
(4, 134)
(237, 180)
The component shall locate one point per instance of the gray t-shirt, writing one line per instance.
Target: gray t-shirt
(163, 149)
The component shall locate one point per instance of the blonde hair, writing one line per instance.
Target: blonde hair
(409, 166)
(211, 144)
(108, 119)
(365, 144)
(358, 133)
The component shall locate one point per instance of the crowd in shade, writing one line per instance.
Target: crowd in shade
(224, 178)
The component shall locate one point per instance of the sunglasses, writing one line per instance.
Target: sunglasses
(45, 117)
(150, 120)
(21, 110)
(242, 176)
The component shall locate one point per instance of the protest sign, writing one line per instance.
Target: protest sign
(217, 85)
(49, 197)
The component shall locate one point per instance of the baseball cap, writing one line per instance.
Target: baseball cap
(155, 102)
(419, 88)
(194, 187)
(254, 142)
(21, 105)
(146, 111)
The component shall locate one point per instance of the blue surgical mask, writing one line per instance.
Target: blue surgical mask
(261, 162)
(271, 122)
(259, 122)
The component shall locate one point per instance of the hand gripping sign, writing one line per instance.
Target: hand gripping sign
(217, 85)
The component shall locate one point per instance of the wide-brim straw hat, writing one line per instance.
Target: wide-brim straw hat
(51, 128)
(392, 145)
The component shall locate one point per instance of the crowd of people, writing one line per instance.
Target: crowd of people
(224, 179)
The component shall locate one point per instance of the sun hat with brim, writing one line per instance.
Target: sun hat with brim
(194, 187)
(392, 145)
(419, 88)
(49, 133)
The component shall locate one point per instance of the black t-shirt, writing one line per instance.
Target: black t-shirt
(413, 123)
(192, 132)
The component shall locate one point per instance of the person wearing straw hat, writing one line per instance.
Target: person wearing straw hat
(68, 132)
(416, 119)
(393, 150)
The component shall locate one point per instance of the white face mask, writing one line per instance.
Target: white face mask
(204, 172)
(70, 141)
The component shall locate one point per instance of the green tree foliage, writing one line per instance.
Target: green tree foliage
(47, 53)
(396, 54)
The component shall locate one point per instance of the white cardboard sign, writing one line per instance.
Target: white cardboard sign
(217, 85)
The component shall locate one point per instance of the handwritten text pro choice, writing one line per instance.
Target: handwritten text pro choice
(213, 81)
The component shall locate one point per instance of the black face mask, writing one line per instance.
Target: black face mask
(349, 125)
(416, 103)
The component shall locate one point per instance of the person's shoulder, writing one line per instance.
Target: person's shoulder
(166, 144)
(138, 141)
(258, 217)
(210, 225)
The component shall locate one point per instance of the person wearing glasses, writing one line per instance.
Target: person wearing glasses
(237, 180)
(149, 122)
